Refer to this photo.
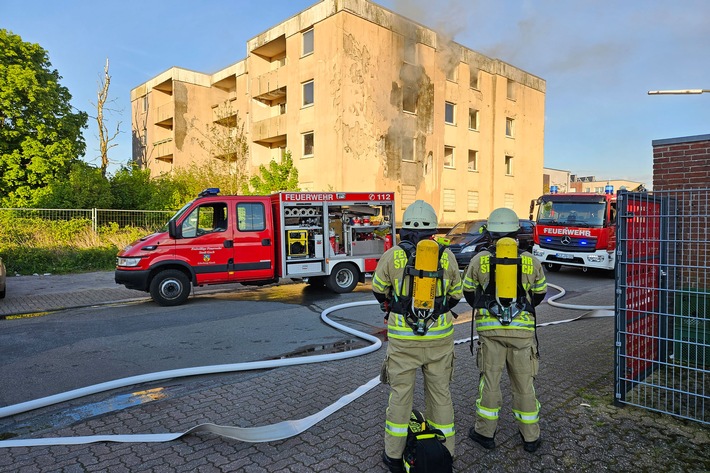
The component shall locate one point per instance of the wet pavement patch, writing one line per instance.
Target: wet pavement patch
(25, 316)
(69, 416)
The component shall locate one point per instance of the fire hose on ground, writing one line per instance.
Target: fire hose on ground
(267, 433)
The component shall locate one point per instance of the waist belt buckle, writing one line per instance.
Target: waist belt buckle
(420, 316)
(421, 327)
(506, 316)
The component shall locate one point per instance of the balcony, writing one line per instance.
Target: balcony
(270, 86)
(221, 98)
(270, 130)
(163, 150)
(225, 116)
(164, 115)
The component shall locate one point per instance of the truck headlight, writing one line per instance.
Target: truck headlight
(595, 258)
(538, 253)
(469, 249)
(129, 262)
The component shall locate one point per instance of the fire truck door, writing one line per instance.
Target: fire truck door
(206, 242)
(254, 243)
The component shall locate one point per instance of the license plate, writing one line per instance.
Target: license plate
(564, 256)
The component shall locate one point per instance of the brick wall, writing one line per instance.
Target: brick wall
(681, 172)
(681, 163)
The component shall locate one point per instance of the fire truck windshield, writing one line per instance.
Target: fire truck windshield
(177, 215)
(577, 214)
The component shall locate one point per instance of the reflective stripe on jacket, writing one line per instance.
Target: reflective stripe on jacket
(477, 277)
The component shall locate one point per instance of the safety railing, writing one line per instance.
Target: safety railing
(148, 219)
(662, 358)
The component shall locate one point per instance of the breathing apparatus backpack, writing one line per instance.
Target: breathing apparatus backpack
(504, 296)
(421, 306)
(425, 451)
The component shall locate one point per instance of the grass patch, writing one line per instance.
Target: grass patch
(593, 398)
(34, 245)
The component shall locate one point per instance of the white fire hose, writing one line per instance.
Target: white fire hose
(265, 433)
(597, 311)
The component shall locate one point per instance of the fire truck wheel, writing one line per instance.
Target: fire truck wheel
(170, 287)
(553, 267)
(343, 279)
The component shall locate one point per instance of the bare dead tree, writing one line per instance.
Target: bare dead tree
(106, 141)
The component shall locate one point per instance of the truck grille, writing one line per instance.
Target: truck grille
(573, 244)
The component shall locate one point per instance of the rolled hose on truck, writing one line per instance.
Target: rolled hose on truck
(267, 433)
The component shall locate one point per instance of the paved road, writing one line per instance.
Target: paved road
(582, 429)
(69, 349)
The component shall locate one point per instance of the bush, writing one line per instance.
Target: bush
(34, 245)
(58, 260)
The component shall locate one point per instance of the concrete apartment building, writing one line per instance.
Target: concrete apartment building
(556, 177)
(592, 184)
(364, 99)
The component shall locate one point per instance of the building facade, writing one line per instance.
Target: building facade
(592, 184)
(364, 99)
(556, 177)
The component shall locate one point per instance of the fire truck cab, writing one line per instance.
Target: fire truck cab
(575, 229)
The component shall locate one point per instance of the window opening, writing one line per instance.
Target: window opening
(308, 93)
(449, 113)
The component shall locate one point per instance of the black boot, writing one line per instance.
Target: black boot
(488, 443)
(394, 465)
(531, 447)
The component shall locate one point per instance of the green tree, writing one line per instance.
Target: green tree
(84, 188)
(277, 177)
(132, 188)
(180, 187)
(40, 134)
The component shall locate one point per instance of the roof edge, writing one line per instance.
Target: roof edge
(679, 140)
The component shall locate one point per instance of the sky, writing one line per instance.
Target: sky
(599, 59)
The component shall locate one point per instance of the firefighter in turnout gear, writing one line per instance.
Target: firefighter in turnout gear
(504, 286)
(420, 331)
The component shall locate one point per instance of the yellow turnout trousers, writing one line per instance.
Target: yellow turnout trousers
(404, 358)
(498, 350)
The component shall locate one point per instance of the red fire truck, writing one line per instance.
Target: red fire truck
(325, 238)
(575, 229)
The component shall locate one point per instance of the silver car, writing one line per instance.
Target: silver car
(3, 287)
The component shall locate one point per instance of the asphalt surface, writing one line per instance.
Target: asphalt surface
(582, 430)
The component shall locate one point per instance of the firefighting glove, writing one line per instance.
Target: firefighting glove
(450, 304)
(385, 307)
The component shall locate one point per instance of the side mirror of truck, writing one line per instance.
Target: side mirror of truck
(172, 229)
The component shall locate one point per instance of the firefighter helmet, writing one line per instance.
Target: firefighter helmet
(503, 221)
(419, 216)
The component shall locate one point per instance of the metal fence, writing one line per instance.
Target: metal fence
(662, 358)
(148, 219)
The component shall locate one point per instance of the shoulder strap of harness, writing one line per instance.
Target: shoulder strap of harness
(410, 269)
(487, 296)
(403, 304)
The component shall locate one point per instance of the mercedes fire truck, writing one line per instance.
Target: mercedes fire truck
(325, 238)
(575, 229)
